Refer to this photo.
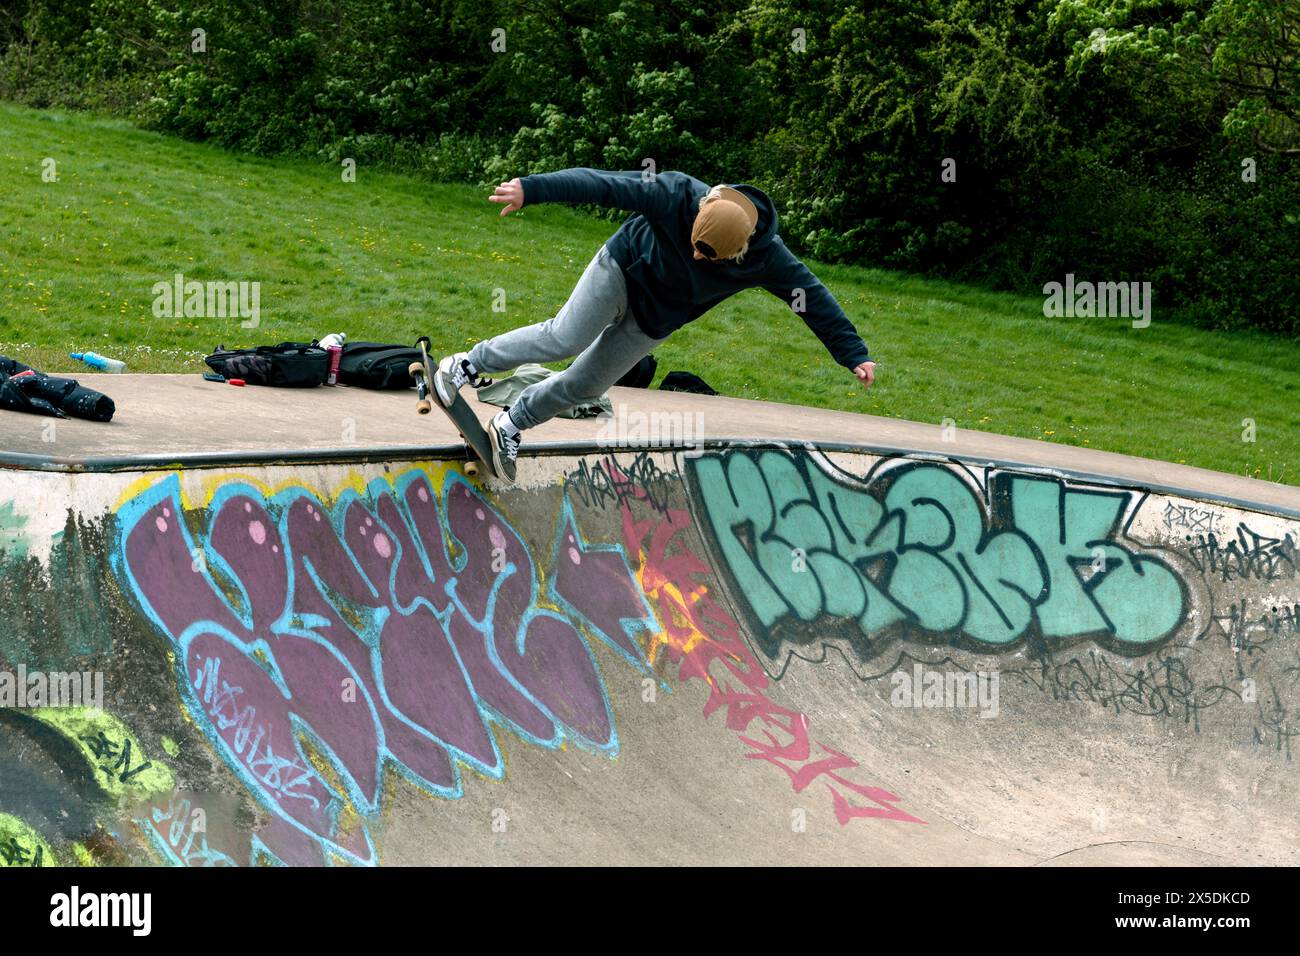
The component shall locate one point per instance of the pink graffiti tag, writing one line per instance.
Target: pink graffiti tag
(699, 634)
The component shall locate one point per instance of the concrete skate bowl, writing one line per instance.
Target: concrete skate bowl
(753, 654)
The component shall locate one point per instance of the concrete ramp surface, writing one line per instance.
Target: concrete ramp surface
(758, 651)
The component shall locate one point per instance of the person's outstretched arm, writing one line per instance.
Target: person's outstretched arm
(613, 190)
(794, 283)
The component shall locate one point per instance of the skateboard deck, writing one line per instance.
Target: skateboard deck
(461, 415)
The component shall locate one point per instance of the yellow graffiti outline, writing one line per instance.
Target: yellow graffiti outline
(211, 484)
(669, 599)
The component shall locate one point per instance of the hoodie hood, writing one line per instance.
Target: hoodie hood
(766, 227)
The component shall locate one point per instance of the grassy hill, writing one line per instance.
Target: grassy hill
(390, 257)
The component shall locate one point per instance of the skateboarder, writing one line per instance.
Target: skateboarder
(689, 247)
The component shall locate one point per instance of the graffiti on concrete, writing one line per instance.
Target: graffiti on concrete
(67, 777)
(1249, 628)
(319, 645)
(932, 553)
(22, 846)
(1278, 724)
(706, 644)
(119, 765)
(1163, 685)
(61, 615)
(177, 828)
(1176, 516)
(609, 483)
(1245, 556)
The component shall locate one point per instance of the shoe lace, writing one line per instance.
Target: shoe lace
(512, 444)
(474, 379)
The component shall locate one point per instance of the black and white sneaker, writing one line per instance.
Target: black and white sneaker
(505, 445)
(454, 373)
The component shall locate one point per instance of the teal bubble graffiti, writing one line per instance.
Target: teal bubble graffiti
(1135, 597)
(918, 549)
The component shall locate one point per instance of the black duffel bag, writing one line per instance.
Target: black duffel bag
(287, 365)
(373, 365)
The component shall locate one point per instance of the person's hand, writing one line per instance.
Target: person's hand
(511, 193)
(866, 373)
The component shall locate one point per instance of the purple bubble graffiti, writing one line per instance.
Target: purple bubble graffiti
(317, 644)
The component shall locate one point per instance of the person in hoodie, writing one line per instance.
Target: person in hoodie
(688, 247)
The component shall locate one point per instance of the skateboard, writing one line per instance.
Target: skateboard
(461, 415)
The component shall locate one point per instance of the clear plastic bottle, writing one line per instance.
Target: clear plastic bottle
(100, 363)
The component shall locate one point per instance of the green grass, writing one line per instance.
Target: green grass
(391, 257)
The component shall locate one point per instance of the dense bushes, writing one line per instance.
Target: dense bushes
(1100, 137)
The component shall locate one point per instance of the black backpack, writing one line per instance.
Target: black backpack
(287, 365)
(641, 374)
(372, 365)
(686, 382)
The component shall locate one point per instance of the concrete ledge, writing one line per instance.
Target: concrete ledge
(182, 420)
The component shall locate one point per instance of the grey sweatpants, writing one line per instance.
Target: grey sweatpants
(595, 324)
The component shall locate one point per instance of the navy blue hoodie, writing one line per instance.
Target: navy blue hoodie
(666, 286)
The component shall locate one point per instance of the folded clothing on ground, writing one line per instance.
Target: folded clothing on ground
(23, 389)
(505, 392)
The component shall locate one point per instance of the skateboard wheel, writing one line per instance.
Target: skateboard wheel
(423, 406)
(415, 369)
(471, 469)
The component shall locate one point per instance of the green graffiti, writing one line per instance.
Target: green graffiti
(13, 537)
(952, 572)
(1134, 597)
(919, 549)
(794, 540)
(20, 845)
(55, 602)
(122, 768)
(83, 856)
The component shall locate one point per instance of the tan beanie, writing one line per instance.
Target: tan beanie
(725, 222)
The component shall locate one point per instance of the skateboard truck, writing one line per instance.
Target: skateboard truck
(422, 404)
(461, 415)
